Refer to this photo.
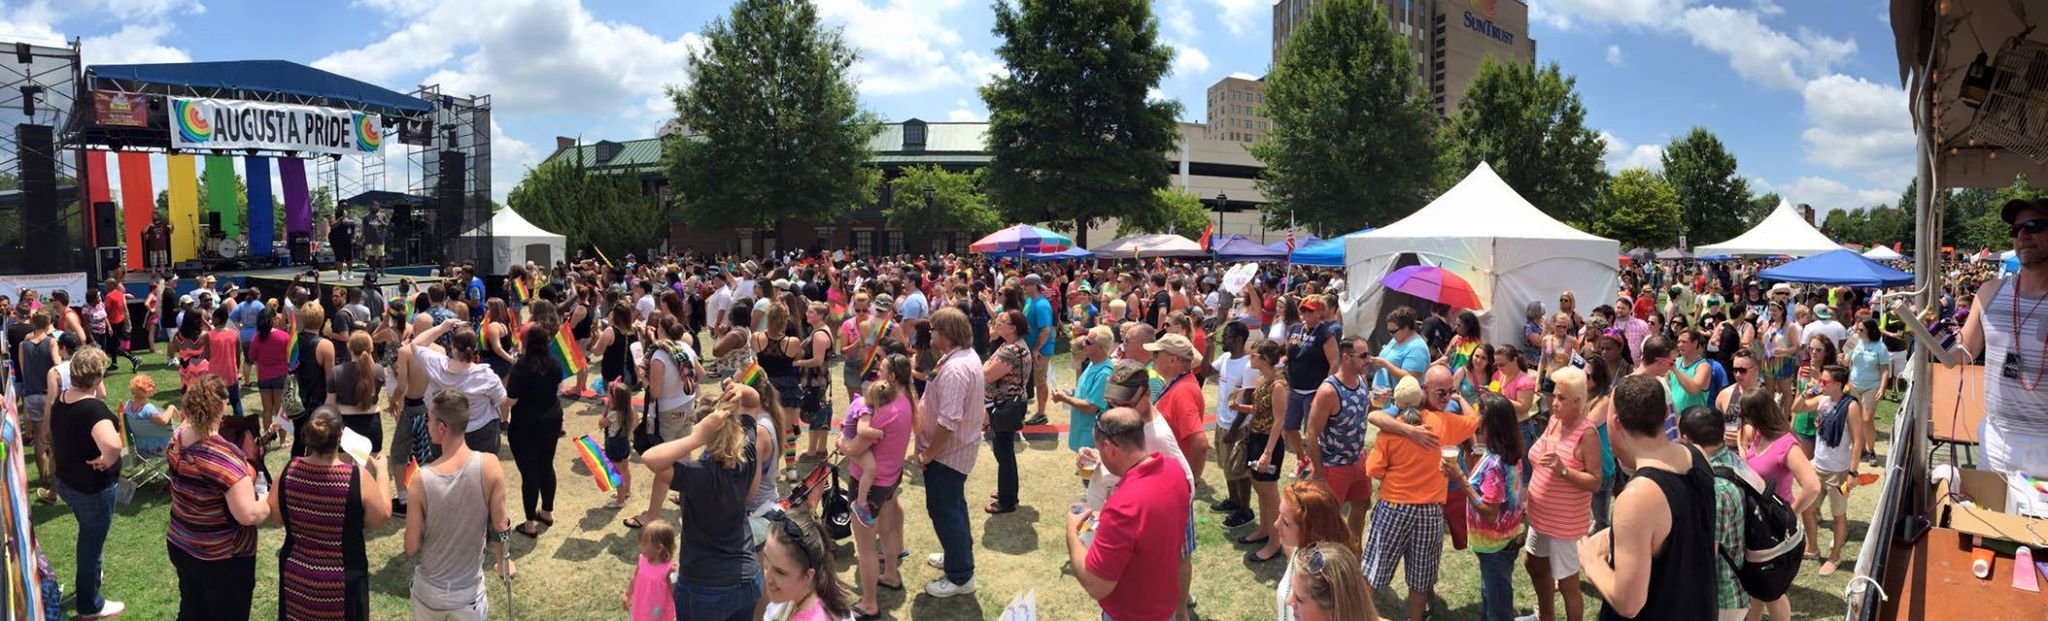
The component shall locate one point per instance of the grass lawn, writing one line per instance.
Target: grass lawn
(578, 569)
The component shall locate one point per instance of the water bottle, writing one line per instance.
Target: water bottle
(262, 484)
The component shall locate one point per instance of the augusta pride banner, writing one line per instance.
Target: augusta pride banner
(230, 124)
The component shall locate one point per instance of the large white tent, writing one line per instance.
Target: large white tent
(1150, 245)
(1510, 251)
(1783, 232)
(1882, 253)
(514, 241)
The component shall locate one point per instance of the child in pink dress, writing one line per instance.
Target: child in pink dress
(649, 597)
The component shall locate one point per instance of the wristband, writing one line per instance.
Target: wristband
(501, 536)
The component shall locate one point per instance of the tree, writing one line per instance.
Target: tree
(957, 203)
(1711, 196)
(1529, 124)
(1639, 209)
(1072, 134)
(1757, 209)
(1173, 211)
(607, 211)
(780, 133)
(1351, 137)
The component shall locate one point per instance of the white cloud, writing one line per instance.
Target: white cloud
(530, 55)
(1826, 194)
(1243, 76)
(132, 44)
(124, 10)
(1565, 14)
(982, 67)
(1761, 54)
(1614, 56)
(1239, 15)
(1769, 7)
(1621, 155)
(1188, 61)
(963, 115)
(1859, 126)
(1176, 21)
(510, 159)
(906, 46)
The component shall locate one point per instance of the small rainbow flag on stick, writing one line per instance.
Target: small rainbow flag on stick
(748, 375)
(412, 471)
(520, 290)
(291, 349)
(568, 352)
(600, 468)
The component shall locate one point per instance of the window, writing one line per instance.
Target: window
(864, 242)
(895, 242)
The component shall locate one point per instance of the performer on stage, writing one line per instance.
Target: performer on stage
(2013, 338)
(376, 230)
(156, 246)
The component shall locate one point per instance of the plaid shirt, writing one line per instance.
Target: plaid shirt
(1728, 529)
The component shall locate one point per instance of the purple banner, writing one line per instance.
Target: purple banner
(298, 205)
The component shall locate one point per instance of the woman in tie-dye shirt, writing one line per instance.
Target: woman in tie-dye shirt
(1494, 490)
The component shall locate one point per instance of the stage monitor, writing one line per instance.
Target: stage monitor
(43, 239)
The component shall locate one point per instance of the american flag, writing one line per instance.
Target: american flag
(1290, 239)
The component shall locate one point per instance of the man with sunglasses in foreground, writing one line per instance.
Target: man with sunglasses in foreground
(2012, 338)
(1138, 530)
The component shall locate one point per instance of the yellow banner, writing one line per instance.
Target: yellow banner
(184, 217)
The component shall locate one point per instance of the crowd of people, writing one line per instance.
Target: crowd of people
(1616, 446)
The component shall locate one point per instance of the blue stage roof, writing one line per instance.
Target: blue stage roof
(270, 76)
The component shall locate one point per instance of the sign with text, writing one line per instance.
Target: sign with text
(123, 109)
(230, 124)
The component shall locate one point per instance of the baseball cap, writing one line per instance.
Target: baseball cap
(1174, 344)
(2012, 208)
(1033, 279)
(1312, 304)
(1821, 312)
(1127, 381)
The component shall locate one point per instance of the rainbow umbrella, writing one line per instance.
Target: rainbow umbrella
(1434, 284)
(1022, 238)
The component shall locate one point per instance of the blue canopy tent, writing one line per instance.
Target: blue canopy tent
(1838, 267)
(1326, 253)
(1070, 254)
(1240, 248)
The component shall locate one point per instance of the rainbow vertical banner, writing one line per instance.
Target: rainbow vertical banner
(298, 203)
(222, 196)
(183, 173)
(600, 468)
(262, 214)
(138, 203)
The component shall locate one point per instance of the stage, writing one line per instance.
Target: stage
(273, 281)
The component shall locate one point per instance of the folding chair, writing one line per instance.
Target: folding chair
(140, 467)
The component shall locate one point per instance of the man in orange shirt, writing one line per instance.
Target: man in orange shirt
(1181, 402)
(1408, 522)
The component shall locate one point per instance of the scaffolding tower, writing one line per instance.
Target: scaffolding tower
(454, 161)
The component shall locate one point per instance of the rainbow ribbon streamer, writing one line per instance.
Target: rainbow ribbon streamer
(875, 351)
(568, 352)
(600, 468)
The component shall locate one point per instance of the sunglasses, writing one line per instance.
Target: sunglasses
(2035, 225)
(1316, 562)
(795, 533)
(1441, 392)
(1742, 370)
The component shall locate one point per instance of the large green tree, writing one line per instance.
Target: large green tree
(1713, 198)
(1639, 209)
(604, 210)
(1351, 135)
(1529, 124)
(957, 202)
(1073, 136)
(777, 128)
(1759, 207)
(1173, 211)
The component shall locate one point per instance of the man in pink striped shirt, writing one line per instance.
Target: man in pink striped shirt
(948, 440)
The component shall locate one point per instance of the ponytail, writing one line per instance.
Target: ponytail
(366, 374)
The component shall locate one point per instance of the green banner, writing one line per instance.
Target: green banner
(221, 194)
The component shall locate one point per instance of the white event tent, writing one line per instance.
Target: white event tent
(514, 241)
(1882, 253)
(1783, 232)
(1150, 245)
(1510, 252)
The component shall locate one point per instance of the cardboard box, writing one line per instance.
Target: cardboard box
(1984, 515)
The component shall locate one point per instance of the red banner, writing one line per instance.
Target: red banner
(123, 109)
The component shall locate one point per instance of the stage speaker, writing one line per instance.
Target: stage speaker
(105, 231)
(213, 223)
(302, 247)
(43, 242)
(106, 259)
(448, 197)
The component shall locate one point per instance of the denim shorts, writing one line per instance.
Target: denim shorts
(715, 603)
(276, 383)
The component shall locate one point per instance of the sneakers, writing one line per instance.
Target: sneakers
(861, 512)
(114, 609)
(935, 560)
(1240, 518)
(1226, 506)
(1036, 420)
(943, 588)
(1528, 618)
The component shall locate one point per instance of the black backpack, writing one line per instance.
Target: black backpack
(1772, 542)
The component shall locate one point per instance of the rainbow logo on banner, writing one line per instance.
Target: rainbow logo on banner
(368, 136)
(192, 124)
(600, 468)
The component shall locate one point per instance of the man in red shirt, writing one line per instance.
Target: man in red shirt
(1139, 530)
(1181, 402)
(116, 301)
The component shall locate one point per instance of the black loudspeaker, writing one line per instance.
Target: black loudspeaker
(213, 223)
(105, 231)
(302, 247)
(43, 243)
(448, 196)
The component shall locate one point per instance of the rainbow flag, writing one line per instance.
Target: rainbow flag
(749, 375)
(291, 349)
(600, 468)
(568, 352)
(523, 292)
(412, 471)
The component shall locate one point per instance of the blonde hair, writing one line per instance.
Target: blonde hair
(311, 316)
(660, 535)
(88, 367)
(1408, 393)
(1570, 379)
(880, 391)
(1340, 588)
(728, 446)
(1103, 336)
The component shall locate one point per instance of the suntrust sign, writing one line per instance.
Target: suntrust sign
(1484, 25)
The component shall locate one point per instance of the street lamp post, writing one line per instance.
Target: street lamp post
(931, 203)
(1221, 201)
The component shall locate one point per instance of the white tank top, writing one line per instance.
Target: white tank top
(2006, 404)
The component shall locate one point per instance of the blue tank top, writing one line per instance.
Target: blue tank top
(1343, 438)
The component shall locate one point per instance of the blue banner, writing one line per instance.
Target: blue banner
(262, 217)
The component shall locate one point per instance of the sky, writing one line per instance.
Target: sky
(1806, 94)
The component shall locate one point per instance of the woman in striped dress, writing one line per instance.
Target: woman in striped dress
(325, 503)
